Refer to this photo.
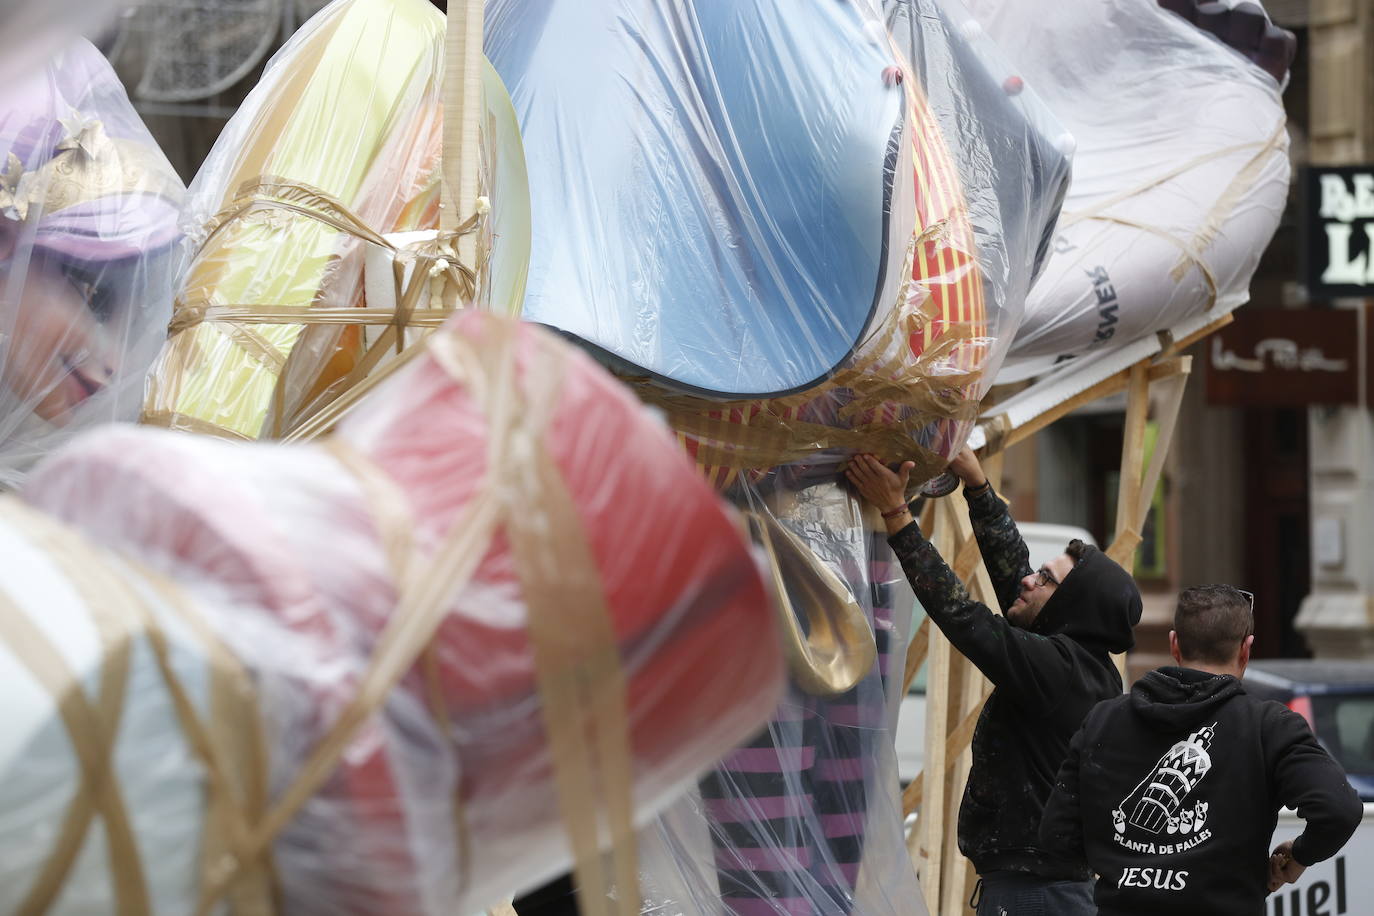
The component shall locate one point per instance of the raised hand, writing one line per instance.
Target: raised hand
(877, 483)
(965, 466)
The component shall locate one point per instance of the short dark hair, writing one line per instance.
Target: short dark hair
(1211, 622)
(1077, 550)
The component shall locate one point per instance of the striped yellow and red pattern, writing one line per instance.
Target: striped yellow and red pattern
(910, 390)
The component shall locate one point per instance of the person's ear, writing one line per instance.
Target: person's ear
(1173, 648)
(1243, 657)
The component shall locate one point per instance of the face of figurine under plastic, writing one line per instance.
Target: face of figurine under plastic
(63, 346)
(88, 243)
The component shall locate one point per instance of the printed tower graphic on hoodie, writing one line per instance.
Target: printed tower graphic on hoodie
(1157, 800)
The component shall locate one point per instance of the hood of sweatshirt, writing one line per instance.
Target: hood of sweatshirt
(1098, 604)
(1180, 699)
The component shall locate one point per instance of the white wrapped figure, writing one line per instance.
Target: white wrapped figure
(1180, 172)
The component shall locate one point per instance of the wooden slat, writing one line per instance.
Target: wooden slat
(1166, 419)
(916, 654)
(1103, 389)
(933, 810)
(975, 688)
(462, 117)
(1184, 343)
(955, 691)
(940, 697)
(964, 695)
(1132, 450)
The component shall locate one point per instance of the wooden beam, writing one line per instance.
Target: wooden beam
(916, 654)
(958, 741)
(955, 694)
(940, 698)
(1103, 389)
(967, 699)
(462, 95)
(1132, 450)
(955, 689)
(1182, 344)
(934, 813)
(973, 693)
(913, 794)
(1166, 420)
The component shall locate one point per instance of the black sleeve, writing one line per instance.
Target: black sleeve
(1036, 667)
(1004, 551)
(1310, 782)
(1061, 826)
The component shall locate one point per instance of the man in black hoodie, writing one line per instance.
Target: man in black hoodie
(1171, 793)
(1048, 656)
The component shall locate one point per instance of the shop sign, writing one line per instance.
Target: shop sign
(1286, 358)
(1338, 227)
(1342, 885)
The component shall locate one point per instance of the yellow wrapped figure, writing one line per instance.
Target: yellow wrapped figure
(315, 220)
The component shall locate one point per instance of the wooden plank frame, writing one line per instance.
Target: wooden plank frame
(462, 93)
(955, 690)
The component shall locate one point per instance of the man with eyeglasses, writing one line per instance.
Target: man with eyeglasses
(1171, 793)
(1048, 655)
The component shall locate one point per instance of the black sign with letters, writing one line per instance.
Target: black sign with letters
(1338, 227)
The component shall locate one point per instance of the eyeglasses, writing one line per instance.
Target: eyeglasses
(1044, 577)
(1249, 596)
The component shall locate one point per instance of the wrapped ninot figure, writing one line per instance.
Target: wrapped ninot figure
(1181, 171)
(88, 234)
(395, 725)
(325, 184)
(762, 215)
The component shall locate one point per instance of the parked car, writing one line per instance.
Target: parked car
(1337, 700)
(1044, 541)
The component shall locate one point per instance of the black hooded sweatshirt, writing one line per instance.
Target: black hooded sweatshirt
(1171, 795)
(1045, 680)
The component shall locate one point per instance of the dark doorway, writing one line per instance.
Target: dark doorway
(1277, 527)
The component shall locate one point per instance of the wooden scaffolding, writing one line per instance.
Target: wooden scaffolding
(955, 689)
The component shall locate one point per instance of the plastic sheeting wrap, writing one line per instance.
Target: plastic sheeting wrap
(1012, 153)
(325, 181)
(33, 31)
(774, 226)
(88, 228)
(521, 571)
(736, 210)
(805, 818)
(1181, 170)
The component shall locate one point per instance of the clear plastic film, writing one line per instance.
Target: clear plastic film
(88, 242)
(799, 244)
(516, 549)
(805, 817)
(34, 31)
(1181, 171)
(315, 220)
(758, 215)
(1012, 153)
